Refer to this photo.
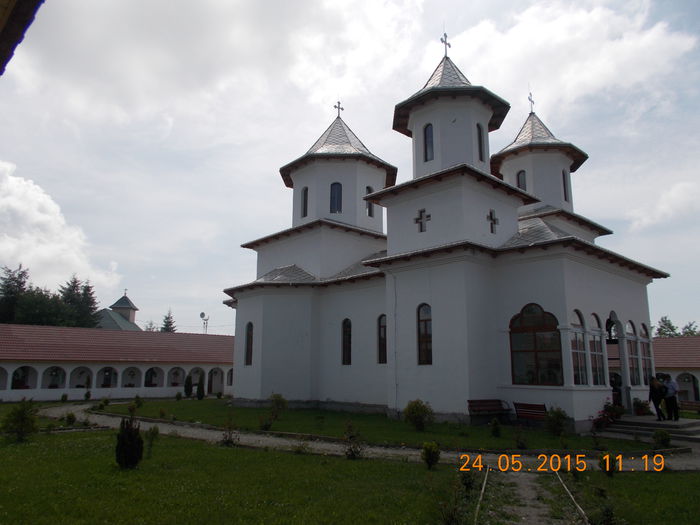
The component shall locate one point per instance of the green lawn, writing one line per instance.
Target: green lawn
(73, 479)
(690, 414)
(41, 421)
(374, 428)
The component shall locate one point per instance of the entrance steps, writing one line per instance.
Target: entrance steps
(644, 426)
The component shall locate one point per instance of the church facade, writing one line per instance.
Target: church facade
(487, 284)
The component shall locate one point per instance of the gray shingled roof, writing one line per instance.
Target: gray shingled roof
(124, 302)
(338, 141)
(110, 320)
(446, 75)
(533, 231)
(286, 274)
(548, 210)
(534, 134)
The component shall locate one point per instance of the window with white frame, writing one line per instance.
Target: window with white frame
(578, 350)
(595, 345)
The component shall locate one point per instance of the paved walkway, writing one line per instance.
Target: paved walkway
(683, 461)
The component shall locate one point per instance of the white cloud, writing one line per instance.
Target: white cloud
(681, 199)
(34, 232)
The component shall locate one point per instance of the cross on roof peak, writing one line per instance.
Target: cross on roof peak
(532, 102)
(339, 108)
(443, 39)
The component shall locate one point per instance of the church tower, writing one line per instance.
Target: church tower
(332, 178)
(449, 120)
(541, 164)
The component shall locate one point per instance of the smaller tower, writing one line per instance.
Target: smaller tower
(331, 180)
(539, 163)
(125, 308)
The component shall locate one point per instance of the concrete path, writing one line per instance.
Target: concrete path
(505, 462)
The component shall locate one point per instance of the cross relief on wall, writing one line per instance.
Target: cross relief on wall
(491, 217)
(422, 220)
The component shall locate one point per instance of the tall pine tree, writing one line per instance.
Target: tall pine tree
(13, 284)
(168, 323)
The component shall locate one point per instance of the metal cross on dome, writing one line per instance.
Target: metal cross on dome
(532, 102)
(422, 219)
(339, 108)
(443, 39)
(491, 217)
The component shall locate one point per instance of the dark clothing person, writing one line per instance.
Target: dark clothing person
(671, 400)
(657, 391)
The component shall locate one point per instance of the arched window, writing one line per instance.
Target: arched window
(347, 342)
(645, 348)
(336, 198)
(535, 346)
(595, 345)
(480, 141)
(248, 344)
(381, 339)
(632, 353)
(521, 180)
(578, 350)
(428, 152)
(425, 334)
(369, 206)
(304, 201)
(565, 185)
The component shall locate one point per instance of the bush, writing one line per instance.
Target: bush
(188, 386)
(219, 395)
(468, 480)
(555, 421)
(265, 423)
(495, 427)
(178, 396)
(354, 446)
(162, 413)
(277, 404)
(87, 395)
(70, 419)
(20, 421)
(129, 449)
(606, 516)
(607, 464)
(200, 387)
(50, 427)
(138, 402)
(105, 401)
(131, 407)
(418, 414)
(151, 435)
(661, 438)
(430, 453)
(230, 437)
(64, 398)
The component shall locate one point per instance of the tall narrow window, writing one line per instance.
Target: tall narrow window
(428, 152)
(369, 206)
(336, 198)
(521, 180)
(565, 185)
(381, 339)
(646, 354)
(480, 141)
(578, 350)
(249, 344)
(425, 335)
(304, 202)
(535, 347)
(595, 344)
(632, 354)
(347, 342)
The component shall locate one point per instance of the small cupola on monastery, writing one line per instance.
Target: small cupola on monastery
(125, 308)
(332, 178)
(539, 163)
(449, 120)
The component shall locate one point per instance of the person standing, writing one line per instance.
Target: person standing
(656, 395)
(671, 400)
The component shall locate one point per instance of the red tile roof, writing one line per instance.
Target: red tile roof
(56, 343)
(677, 352)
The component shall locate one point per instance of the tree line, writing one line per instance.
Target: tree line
(666, 328)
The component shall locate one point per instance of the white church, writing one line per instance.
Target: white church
(486, 284)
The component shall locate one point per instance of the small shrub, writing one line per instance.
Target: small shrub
(151, 436)
(105, 401)
(450, 511)
(230, 437)
(129, 450)
(606, 516)
(277, 404)
(265, 423)
(131, 407)
(188, 386)
(609, 465)
(219, 395)
(162, 413)
(200, 387)
(519, 437)
(178, 396)
(468, 480)
(87, 395)
(495, 427)
(430, 454)
(64, 398)
(661, 438)
(20, 421)
(418, 414)
(555, 421)
(138, 402)
(98, 406)
(70, 419)
(354, 447)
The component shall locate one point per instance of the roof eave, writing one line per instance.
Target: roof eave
(577, 156)
(287, 169)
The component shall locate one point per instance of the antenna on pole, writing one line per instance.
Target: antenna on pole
(205, 321)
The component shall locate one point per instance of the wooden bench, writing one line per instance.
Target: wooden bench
(487, 407)
(530, 411)
(690, 405)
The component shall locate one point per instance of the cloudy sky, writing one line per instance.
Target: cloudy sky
(140, 142)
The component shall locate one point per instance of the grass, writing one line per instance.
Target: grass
(640, 498)
(690, 414)
(41, 421)
(374, 428)
(73, 479)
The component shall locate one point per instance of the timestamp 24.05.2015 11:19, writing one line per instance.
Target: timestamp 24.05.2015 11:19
(561, 462)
